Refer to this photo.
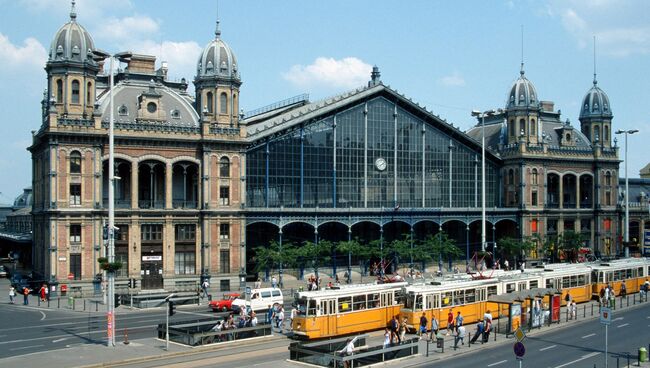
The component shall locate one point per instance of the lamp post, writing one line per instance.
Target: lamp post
(482, 115)
(110, 308)
(626, 238)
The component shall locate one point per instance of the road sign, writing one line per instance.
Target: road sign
(519, 349)
(71, 276)
(520, 335)
(605, 316)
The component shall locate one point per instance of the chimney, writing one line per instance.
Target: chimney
(142, 64)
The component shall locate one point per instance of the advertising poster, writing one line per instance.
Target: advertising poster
(646, 242)
(515, 317)
(555, 308)
(537, 313)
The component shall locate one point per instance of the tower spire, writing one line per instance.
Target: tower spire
(595, 81)
(522, 50)
(73, 13)
(217, 31)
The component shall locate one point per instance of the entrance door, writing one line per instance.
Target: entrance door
(328, 317)
(152, 275)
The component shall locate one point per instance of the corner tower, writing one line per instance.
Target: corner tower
(72, 71)
(596, 116)
(522, 111)
(217, 83)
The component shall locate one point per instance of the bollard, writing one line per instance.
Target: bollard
(627, 299)
(628, 358)
(48, 302)
(584, 311)
(74, 304)
(592, 309)
(58, 302)
(617, 366)
(126, 337)
(84, 305)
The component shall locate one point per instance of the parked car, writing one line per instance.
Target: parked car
(225, 304)
(19, 282)
(3, 271)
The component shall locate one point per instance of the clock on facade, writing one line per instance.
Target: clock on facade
(380, 164)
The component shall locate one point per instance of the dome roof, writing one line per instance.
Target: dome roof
(595, 103)
(217, 59)
(522, 93)
(72, 42)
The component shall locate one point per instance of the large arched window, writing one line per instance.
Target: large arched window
(59, 91)
(223, 103)
(522, 126)
(606, 133)
(75, 162)
(224, 167)
(534, 177)
(209, 102)
(513, 128)
(511, 177)
(75, 91)
(596, 134)
(608, 179)
(533, 127)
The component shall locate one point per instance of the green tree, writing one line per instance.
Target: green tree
(515, 249)
(352, 248)
(570, 243)
(401, 249)
(314, 254)
(272, 256)
(550, 247)
(440, 247)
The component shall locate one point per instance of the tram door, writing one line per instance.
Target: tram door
(522, 286)
(328, 319)
(386, 303)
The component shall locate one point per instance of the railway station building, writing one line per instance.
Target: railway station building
(200, 184)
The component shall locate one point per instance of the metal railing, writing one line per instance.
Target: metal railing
(185, 204)
(147, 204)
(201, 332)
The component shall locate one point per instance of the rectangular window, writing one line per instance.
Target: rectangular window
(185, 233)
(607, 224)
(75, 233)
(122, 255)
(224, 231)
(534, 199)
(533, 226)
(75, 194)
(551, 226)
(224, 195)
(184, 262)
(151, 232)
(345, 304)
(224, 261)
(75, 266)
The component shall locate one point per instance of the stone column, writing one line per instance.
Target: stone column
(134, 185)
(168, 186)
(561, 191)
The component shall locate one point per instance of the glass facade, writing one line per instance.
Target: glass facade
(375, 154)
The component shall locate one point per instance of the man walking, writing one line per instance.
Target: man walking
(12, 295)
(204, 286)
(459, 320)
(434, 327)
(26, 296)
(423, 326)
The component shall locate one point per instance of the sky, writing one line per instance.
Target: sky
(450, 56)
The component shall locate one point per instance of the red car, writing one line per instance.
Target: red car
(224, 304)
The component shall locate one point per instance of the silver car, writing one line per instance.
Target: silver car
(3, 271)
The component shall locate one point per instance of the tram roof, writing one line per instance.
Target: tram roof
(350, 289)
(450, 285)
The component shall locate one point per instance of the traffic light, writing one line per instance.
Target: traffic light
(171, 308)
(117, 301)
(132, 283)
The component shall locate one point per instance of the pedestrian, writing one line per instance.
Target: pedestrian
(26, 296)
(42, 291)
(253, 319)
(459, 320)
(480, 326)
(402, 329)
(434, 327)
(486, 330)
(487, 316)
(270, 314)
(387, 338)
(204, 286)
(422, 331)
(274, 282)
(506, 266)
(348, 350)
(623, 289)
(394, 330)
(292, 316)
(12, 295)
(258, 283)
(460, 336)
(574, 310)
(280, 318)
(450, 322)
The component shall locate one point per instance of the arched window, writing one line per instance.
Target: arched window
(209, 102)
(512, 127)
(533, 127)
(59, 91)
(75, 162)
(224, 167)
(606, 133)
(89, 94)
(608, 179)
(522, 126)
(596, 133)
(511, 177)
(534, 177)
(234, 102)
(568, 138)
(75, 91)
(223, 103)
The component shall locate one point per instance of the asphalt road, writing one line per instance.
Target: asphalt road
(581, 345)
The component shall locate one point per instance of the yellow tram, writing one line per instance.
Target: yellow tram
(631, 271)
(573, 279)
(346, 309)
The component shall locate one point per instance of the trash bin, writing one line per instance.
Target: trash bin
(70, 301)
(210, 297)
(643, 354)
(440, 342)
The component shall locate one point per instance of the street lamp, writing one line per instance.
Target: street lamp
(626, 239)
(110, 310)
(482, 115)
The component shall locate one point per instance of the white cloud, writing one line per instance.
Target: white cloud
(30, 54)
(453, 80)
(348, 72)
(115, 29)
(180, 56)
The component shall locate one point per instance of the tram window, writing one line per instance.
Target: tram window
(617, 276)
(574, 281)
(610, 277)
(470, 296)
(629, 274)
(446, 298)
(400, 297)
(510, 287)
(418, 302)
(566, 282)
(410, 301)
(345, 304)
(594, 276)
(491, 290)
(459, 297)
(582, 280)
(432, 301)
(601, 277)
(359, 302)
(311, 310)
(533, 284)
(301, 305)
(481, 295)
(549, 283)
(373, 300)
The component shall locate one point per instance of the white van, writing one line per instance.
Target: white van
(260, 300)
